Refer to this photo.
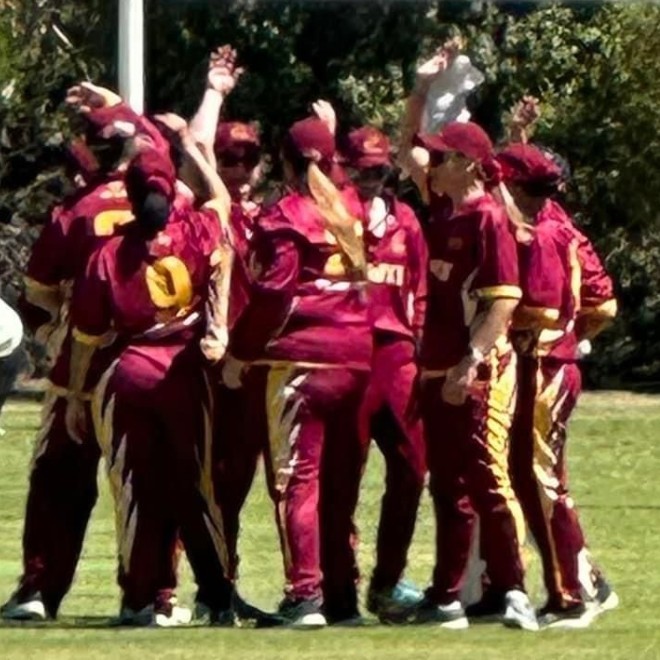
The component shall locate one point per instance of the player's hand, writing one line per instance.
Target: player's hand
(86, 97)
(326, 113)
(75, 418)
(223, 73)
(441, 60)
(177, 126)
(460, 380)
(232, 372)
(526, 112)
(213, 349)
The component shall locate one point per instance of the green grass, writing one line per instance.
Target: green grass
(615, 465)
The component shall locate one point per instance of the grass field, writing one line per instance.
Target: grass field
(615, 459)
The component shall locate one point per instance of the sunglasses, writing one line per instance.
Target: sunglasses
(437, 158)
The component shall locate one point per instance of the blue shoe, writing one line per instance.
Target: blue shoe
(394, 605)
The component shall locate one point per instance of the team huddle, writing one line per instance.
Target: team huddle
(196, 327)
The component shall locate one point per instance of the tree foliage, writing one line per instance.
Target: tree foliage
(596, 67)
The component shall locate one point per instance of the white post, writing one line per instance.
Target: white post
(131, 53)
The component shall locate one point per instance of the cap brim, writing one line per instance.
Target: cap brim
(431, 142)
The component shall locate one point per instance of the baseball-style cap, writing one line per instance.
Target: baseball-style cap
(237, 140)
(466, 138)
(529, 167)
(366, 147)
(311, 139)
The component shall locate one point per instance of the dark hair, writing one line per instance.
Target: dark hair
(108, 151)
(152, 213)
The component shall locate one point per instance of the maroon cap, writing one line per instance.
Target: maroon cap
(311, 139)
(526, 165)
(367, 147)
(150, 170)
(466, 138)
(237, 140)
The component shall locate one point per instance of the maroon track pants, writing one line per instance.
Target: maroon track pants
(313, 417)
(240, 437)
(392, 416)
(154, 419)
(548, 393)
(468, 453)
(61, 497)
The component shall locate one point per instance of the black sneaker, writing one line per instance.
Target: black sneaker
(303, 613)
(490, 608)
(574, 616)
(451, 616)
(345, 617)
(24, 607)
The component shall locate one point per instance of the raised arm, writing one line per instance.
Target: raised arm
(220, 81)
(412, 159)
(219, 195)
(522, 119)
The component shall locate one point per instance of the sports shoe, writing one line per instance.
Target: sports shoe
(450, 616)
(169, 614)
(606, 598)
(303, 613)
(220, 618)
(518, 611)
(574, 617)
(24, 607)
(394, 605)
(165, 614)
(489, 608)
(131, 617)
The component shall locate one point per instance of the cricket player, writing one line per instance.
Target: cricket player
(567, 298)
(63, 487)
(307, 320)
(397, 266)
(239, 429)
(469, 373)
(151, 407)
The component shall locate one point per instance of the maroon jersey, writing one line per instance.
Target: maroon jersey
(145, 291)
(398, 261)
(60, 256)
(304, 308)
(596, 285)
(586, 281)
(472, 260)
(242, 222)
(550, 280)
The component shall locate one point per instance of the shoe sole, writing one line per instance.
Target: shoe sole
(579, 623)
(456, 624)
(26, 612)
(309, 622)
(610, 603)
(516, 623)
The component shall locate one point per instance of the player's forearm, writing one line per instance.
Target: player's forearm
(81, 359)
(217, 189)
(203, 125)
(494, 324)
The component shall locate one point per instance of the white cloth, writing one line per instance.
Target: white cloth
(446, 99)
(11, 330)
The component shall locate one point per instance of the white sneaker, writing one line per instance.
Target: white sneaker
(518, 612)
(29, 609)
(179, 616)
